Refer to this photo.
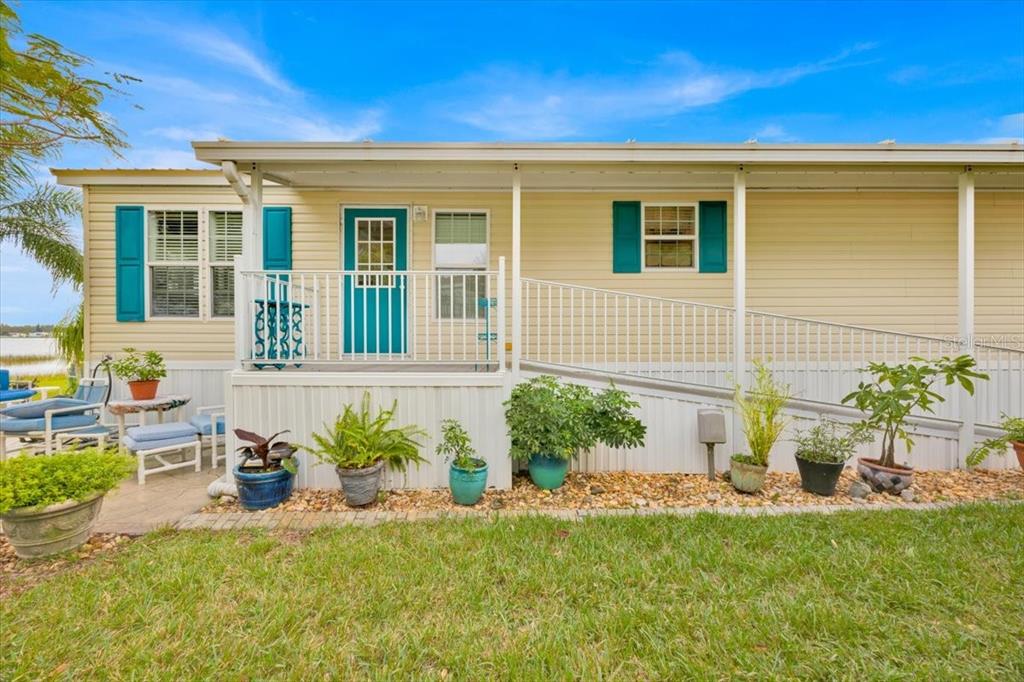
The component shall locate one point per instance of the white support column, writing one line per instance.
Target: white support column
(256, 200)
(965, 270)
(517, 284)
(739, 295)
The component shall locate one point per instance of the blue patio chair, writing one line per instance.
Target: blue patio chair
(7, 394)
(38, 421)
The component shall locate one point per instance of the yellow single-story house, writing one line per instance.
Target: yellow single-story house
(293, 276)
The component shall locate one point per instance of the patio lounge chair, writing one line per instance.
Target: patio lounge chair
(35, 423)
(8, 394)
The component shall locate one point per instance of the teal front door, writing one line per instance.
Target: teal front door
(375, 303)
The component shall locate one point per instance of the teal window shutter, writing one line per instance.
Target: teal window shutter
(277, 238)
(626, 237)
(714, 242)
(130, 263)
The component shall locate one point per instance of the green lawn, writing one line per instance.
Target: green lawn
(857, 595)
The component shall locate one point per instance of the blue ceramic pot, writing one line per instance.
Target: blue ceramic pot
(468, 486)
(263, 490)
(547, 473)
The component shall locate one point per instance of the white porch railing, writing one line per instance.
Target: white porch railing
(295, 318)
(686, 342)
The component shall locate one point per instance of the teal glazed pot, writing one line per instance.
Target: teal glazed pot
(547, 473)
(468, 485)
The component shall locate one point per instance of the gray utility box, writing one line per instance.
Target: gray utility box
(711, 430)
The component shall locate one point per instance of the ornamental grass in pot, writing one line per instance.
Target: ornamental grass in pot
(1014, 435)
(265, 476)
(550, 423)
(50, 504)
(360, 444)
(763, 423)
(143, 371)
(467, 475)
(822, 452)
(894, 392)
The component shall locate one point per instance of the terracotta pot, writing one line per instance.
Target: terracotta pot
(892, 480)
(1018, 447)
(143, 390)
(35, 532)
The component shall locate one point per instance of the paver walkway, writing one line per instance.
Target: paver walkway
(272, 520)
(163, 501)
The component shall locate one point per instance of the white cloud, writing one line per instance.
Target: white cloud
(773, 132)
(522, 104)
(1005, 129)
(181, 134)
(160, 157)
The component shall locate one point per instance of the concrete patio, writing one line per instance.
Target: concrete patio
(163, 501)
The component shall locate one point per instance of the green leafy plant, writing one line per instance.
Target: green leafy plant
(273, 454)
(761, 410)
(456, 445)
(359, 439)
(897, 390)
(137, 365)
(546, 417)
(1014, 428)
(41, 481)
(830, 442)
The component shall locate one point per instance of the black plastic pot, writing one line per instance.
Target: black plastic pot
(819, 478)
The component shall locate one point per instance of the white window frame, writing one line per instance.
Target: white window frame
(203, 262)
(435, 307)
(644, 237)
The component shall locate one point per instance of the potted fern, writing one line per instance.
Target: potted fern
(763, 424)
(360, 444)
(143, 371)
(1014, 435)
(265, 476)
(894, 392)
(467, 475)
(550, 423)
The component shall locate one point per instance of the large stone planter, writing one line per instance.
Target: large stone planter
(37, 532)
(892, 480)
(361, 485)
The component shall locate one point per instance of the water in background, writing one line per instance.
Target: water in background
(39, 345)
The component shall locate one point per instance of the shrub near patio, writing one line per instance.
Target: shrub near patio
(822, 452)
(467, 476)
(551, 422)
(763, 423)
(50, 504)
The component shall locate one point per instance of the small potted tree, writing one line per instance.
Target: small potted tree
(822, 452)
(49, 504)
(763, 424)
(467, 475)
(889, 398)
(360, 445)
(549, 423)
(143, 371)
(1014, 435)
(265, 474)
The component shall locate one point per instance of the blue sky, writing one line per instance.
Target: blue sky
(800, 72)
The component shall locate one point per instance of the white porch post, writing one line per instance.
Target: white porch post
(517, 285)
(965, 269)
(739, 295)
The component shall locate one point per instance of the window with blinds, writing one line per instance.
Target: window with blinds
(173, 256)
(225, 243)
(460, 243)
(670, 236)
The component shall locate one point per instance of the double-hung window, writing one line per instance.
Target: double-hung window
(225, 244)
(460, 244)
(190, 258)
(670, 236)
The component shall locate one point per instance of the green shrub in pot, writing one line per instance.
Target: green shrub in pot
(50, 504)
(550, 422)
(763, 423)
(467, 475)
(822, 452)
(360, 444)
(1014, 435)
(143, 371)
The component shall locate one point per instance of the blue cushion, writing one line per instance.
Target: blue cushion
(69, 421)
(17, 394)
(37, 408)
(135, 445)
(151, 432)
(202, 422)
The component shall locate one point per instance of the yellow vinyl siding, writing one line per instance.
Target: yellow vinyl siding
(883, 259)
